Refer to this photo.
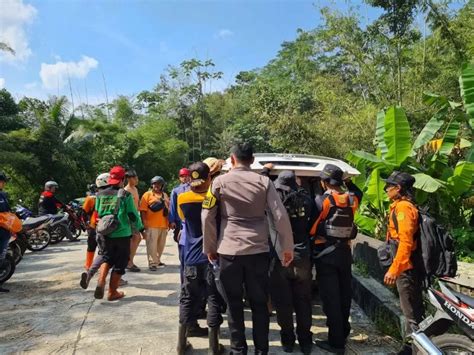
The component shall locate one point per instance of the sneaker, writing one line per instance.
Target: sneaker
(161, 265)
(133, 268)
(84, 281)
(153, 268)
(323, 344)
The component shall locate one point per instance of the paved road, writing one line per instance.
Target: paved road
(47, 312)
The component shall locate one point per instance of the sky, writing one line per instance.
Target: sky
(131, 43)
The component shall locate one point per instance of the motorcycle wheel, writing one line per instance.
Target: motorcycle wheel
(7, 269)
(454, 344)
(58, 233)
(75, 232)
(39, 240)
(16, 252)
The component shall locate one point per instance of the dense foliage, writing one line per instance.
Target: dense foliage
(321, 94)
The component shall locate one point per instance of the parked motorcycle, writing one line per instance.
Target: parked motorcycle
(18, 246)
(59, 227)
(451, 308)
(76, 221)
(36, 233)
(7, 266)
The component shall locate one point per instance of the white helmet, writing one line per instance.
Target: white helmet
(102, 180)
(50, 184)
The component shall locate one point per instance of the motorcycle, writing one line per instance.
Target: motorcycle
(59, 228)
(7, 266)
(451, 308)
(76, 221)
(18, 246)
(35, 233)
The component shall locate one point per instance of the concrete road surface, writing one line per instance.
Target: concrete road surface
(46, 312)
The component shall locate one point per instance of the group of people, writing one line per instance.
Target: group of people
(245, 238)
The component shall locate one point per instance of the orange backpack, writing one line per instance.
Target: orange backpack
(340, 224)
(10, 222)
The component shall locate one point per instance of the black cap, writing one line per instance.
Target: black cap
(332, 174)
(131, 173)
(199, 173)
(3, 176)
(286, 181)
(400, 178)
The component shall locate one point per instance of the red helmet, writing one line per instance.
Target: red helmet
(184, 172)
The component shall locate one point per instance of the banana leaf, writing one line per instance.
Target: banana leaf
(375, 194)
(426, 183)
(449, 139)
(397, 135)
(357, 157)
(462, 178)
(429, 131)
(379, 133)
(466, 82)
(365, 224)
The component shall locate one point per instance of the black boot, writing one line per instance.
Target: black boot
(85, 279)
(182, 339)
(195, 331)
(214, 347)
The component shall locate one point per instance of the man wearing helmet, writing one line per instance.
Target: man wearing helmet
(154, 207)
(48, 203)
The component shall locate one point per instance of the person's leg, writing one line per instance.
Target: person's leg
(91, 247)
(282, 300)
(256, 283)
(231, 279)
(120, 260)
(345, 277)
(151, 246)
(411, 299)
(302, 302)
(162, 233)
(134, 243)
(214, 316)
(329, 291)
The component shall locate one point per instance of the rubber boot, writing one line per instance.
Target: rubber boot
(113, 286)
(85, 279)
(214, 347)
(89, 259)
(99, 290)
(182, 339)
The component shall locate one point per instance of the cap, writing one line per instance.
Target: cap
(286, 181)
(332, 174)
(184, 172)
(199, 173)
(131, 173)
(117, 173)
(157, 180)
(400, 178)
(214, 164)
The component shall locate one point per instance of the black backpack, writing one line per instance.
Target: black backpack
(436, 245)
(298, 206)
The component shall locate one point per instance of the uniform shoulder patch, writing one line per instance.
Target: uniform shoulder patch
(209, 201)
(401, 216)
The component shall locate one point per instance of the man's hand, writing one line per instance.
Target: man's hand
(269, 166)
(143, 234)
(172, 225)
(212, 257)
(287, 258)
(390, 279)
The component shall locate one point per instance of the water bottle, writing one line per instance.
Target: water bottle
(216, 268)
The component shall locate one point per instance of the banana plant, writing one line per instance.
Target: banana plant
(430, 167)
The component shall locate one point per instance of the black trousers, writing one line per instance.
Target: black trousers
(116, 253)
(333, 273)
(290, 290)
(91, 239)
(250, 271)
(199, 279)
(409, 286)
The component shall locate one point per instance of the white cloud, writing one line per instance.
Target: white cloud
(2, 83)
(56, 75)
(224, 33)
(14, 17)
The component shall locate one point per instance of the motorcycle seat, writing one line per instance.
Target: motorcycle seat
(34, 222)
(464, 298)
